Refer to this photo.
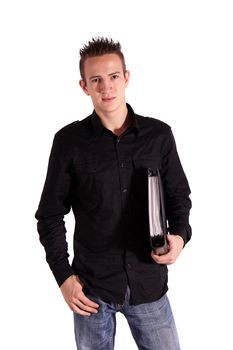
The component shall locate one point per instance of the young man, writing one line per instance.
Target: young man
(98, 167)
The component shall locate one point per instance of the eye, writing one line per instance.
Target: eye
(95, 80)
(115, 76)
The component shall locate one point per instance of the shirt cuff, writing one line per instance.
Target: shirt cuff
(62, 271)
(183, 233)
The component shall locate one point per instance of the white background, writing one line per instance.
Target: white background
(180, 57)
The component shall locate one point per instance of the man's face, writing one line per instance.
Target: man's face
(105, 82)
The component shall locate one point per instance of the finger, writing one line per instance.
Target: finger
(158, 257)
(165, 259)
(77, 310)
(86, 301)
(85, 307)
(170, 238)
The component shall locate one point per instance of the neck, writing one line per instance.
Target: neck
(116, 121)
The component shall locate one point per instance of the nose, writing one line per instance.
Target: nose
(105, 86)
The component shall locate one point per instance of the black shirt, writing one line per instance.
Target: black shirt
(103, 178)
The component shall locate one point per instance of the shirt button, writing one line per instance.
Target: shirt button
(124, 190)
(122, 165)
(129, 266)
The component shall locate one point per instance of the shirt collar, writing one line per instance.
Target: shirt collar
(98, 126)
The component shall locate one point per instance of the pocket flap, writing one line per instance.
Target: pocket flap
(147, 163)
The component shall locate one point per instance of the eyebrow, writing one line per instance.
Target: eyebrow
(99, 76)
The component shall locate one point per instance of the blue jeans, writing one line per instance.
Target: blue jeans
(152, 325)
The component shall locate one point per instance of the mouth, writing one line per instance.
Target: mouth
(108, 99)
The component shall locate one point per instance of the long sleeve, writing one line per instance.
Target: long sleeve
(104, 180)
(177, 191)
(54, 204)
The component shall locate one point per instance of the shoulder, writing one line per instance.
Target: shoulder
(153, 124)
(67, 128)
(74, 129)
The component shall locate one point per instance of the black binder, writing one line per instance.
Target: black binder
(157, 216)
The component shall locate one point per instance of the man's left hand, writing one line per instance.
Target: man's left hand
(175, 244)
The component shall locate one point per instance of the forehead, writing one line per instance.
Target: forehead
(101, 65)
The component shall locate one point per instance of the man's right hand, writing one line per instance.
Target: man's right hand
(72, 290)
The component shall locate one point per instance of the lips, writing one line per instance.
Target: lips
(108, 99)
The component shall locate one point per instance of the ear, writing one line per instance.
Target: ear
(127, 77)
(83, 85)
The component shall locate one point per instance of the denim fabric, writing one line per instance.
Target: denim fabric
(152, 325)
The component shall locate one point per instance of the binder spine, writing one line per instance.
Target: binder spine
(157, 214)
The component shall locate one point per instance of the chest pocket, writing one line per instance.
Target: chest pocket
(84, 178)
(91, 176)
(141, 165)
(87, 167)
(139, 183)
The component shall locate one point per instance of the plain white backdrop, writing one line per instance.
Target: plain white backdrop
(180, 57)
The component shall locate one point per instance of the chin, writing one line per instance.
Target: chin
(109, 106)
